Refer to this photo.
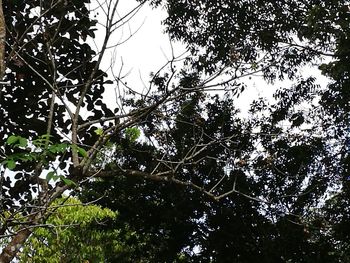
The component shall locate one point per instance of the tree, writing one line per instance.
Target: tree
(50, 143)
(241, 225)
(296, 158)
(264, 176)
(76, 233)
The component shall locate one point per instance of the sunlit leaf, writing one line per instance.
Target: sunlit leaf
(99, 131)
(12, 139)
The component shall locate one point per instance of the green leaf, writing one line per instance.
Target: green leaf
(99, 131)
(50, 176)
(132, 133)
(82, 152)
(12, 139)
(24, 157)
(39, 143)
(53, 149)
(68, 181)
(58, 148)
(62, 147)
(46, 137)
(23, 142)
(11, 164)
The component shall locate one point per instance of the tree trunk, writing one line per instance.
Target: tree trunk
(2, 42)
(13, 247)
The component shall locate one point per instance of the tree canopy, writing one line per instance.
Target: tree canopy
(78, 232)
(194, 177)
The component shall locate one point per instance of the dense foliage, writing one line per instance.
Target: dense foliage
(78, 233)
(45, 52)
(194, 178)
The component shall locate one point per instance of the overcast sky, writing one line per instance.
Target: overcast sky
(148, 48)
(145, 51)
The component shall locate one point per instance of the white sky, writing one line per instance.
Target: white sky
(147, 50)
